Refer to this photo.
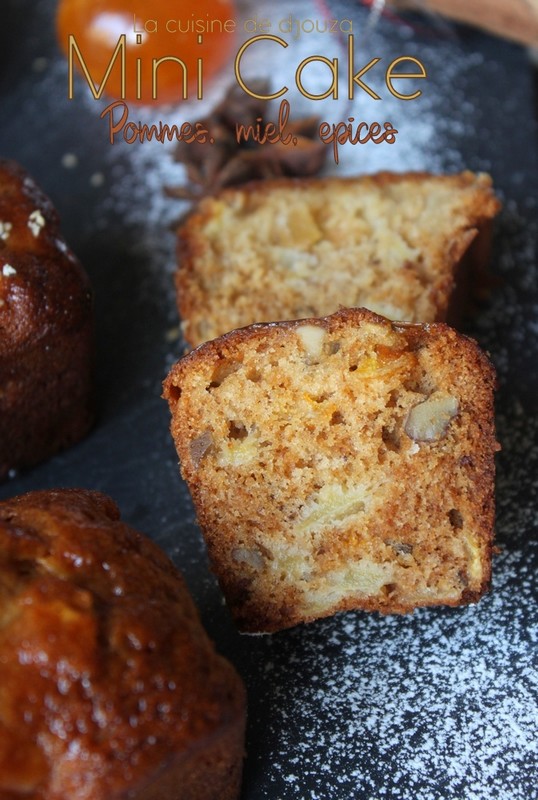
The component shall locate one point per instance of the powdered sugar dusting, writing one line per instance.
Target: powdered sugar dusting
(438, 705)
(423, 128)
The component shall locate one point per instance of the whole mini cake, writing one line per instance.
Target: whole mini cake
(403, 245)
(339, 463)
(109, 686)
(46, 329)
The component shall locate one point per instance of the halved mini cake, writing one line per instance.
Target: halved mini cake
(339, 463)
(403, 245)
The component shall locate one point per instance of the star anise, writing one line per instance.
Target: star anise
(230, 162)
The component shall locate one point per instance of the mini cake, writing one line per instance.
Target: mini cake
(46, 329)
(339, 463)
(400, 245)
(109, 687)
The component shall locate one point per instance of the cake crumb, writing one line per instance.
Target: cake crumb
(173, 334)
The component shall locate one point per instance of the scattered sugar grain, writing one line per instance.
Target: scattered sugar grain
(97, 179)
(69, 160)
(36, 222)
(5, 230)
(40, 64)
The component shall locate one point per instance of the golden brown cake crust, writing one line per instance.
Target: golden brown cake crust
(46, 328)
(399, 244)
(318, 485)
(109, 686)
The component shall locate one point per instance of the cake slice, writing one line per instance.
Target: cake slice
(339, 463)
(398, 244)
